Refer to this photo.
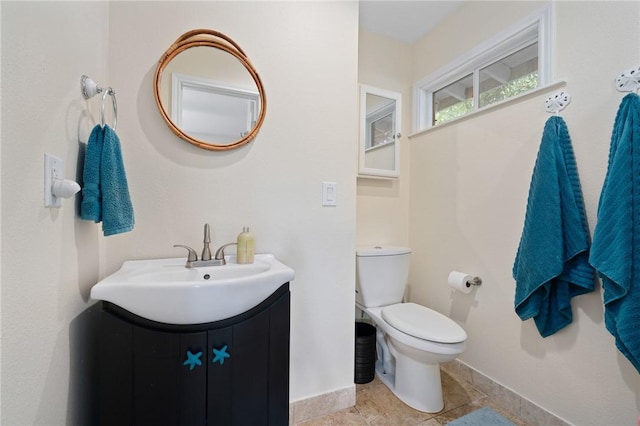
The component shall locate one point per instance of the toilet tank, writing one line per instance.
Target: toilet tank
(381, 275)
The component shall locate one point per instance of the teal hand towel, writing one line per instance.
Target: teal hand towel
(615, 253)
(106, 192)
(551, 264)
(91, 205)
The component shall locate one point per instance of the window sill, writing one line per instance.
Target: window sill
(490, 108)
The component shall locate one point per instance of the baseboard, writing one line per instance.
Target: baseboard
(322, 405)
(510, 401)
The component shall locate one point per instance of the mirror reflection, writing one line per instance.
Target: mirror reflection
(208, 92)
(380, 132)
(211, 95)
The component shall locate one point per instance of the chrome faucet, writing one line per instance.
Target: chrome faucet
(192, 257)
(206, 251)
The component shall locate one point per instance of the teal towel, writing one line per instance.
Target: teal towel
(616, 240)
(91, 206)
(105, 193)
(551, 264)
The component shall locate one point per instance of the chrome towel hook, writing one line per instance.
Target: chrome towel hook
(89, 89)
(629, 81)
(557, 102)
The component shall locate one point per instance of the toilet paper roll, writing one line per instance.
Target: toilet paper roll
(459, 281)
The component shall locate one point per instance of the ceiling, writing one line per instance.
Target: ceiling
(405, 21)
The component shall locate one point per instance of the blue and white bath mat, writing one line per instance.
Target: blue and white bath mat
(482, 417)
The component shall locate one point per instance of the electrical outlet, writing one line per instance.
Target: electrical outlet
(53, 169)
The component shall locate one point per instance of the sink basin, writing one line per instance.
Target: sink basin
(164, 290)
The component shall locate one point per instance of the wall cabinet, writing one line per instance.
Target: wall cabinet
(380, 122)
(229, 372)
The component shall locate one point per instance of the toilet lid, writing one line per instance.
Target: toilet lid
(423, 323)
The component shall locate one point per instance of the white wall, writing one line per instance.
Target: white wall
(51, 259)
(383, 204)
(469, 183)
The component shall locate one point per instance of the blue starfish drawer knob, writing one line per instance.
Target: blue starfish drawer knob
(220, 354)
(193, 360)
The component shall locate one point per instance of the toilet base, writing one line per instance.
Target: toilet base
(418, 385)
(410, 367)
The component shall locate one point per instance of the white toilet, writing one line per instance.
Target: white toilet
(412, 340)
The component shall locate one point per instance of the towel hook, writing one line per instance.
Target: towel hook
(89, 89)
(629, 81)
(557, 102)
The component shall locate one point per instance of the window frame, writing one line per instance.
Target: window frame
(537, 27)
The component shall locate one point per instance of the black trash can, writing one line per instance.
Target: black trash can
(365, 359)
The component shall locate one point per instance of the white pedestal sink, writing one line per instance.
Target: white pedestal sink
(164, 290)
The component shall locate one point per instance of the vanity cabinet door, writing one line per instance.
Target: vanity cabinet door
(193, 379)
(239, 373)
(166, 389)
(146, 376)
(155, 377)
(248, 371)
(114, 400)
(279, 332)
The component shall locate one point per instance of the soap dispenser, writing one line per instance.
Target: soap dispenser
(246, 246)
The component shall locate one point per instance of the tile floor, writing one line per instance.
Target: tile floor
(377, 405)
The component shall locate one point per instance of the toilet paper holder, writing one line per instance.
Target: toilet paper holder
(477, 281)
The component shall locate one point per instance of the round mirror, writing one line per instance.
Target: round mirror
(208, 92)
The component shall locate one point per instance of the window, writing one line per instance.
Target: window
(452, 101)
(508, 77)
(510, 64)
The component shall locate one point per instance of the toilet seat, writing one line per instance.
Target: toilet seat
(423, 323)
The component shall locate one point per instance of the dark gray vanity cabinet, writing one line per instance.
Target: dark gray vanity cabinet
(229, 372)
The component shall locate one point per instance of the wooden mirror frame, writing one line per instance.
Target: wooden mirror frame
(217, 40)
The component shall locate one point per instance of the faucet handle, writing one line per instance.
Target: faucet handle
(220, 252)
(193, 256)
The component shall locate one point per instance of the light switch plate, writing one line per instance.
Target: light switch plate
(329, 193)
(53, 169)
